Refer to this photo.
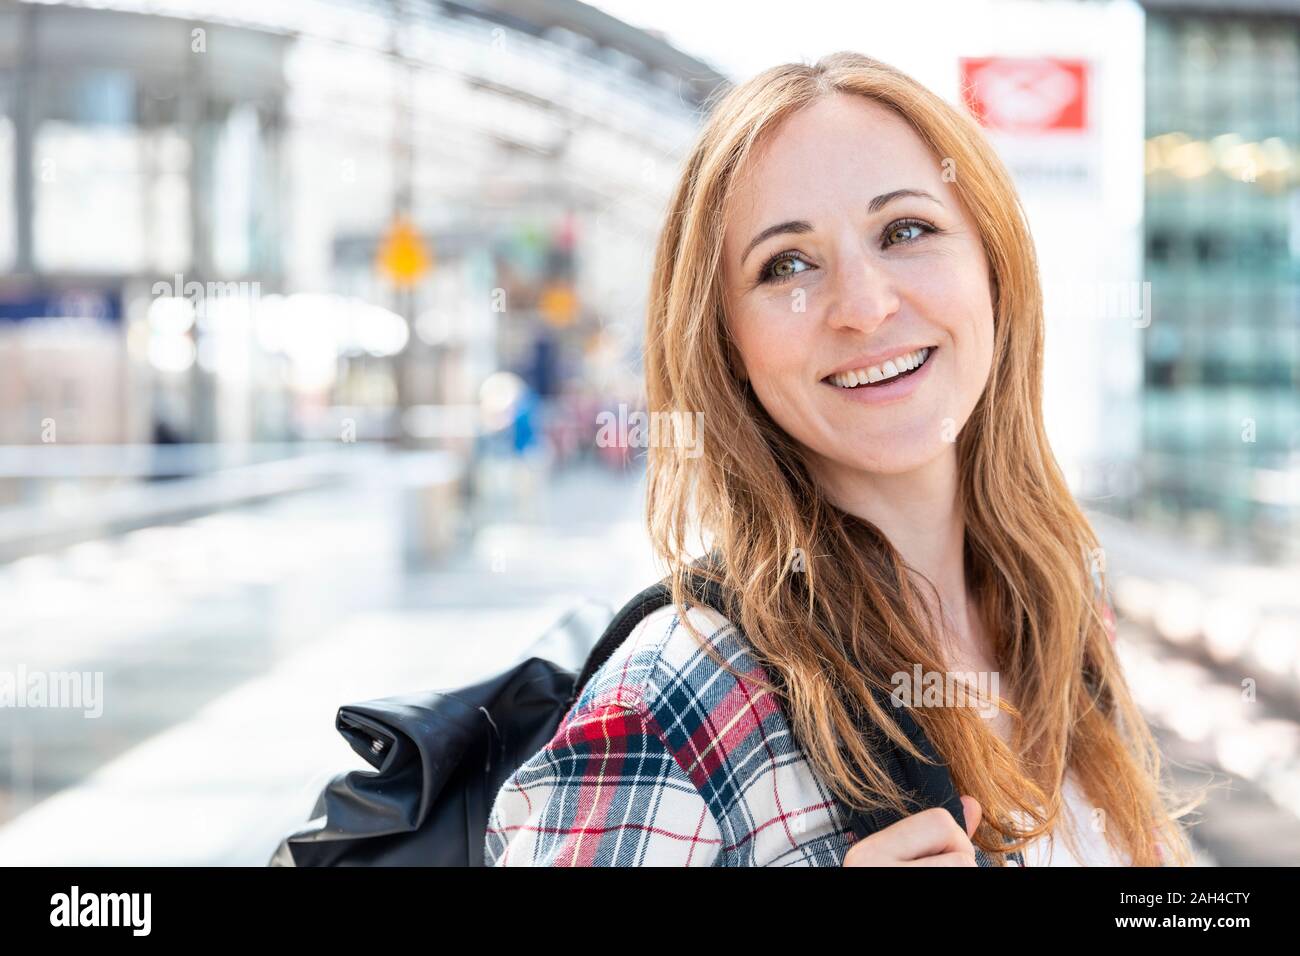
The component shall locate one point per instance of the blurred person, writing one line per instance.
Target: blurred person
(496, 447)
(557, 430)
(167, 431)
(615, 454)
(565, 424)
(531, 455)
(845, 286)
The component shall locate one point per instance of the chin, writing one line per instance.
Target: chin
(896, 465)
(899, 461)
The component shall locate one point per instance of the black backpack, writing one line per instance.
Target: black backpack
(441, 756)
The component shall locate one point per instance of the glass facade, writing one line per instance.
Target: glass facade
(1222, 234)
(251, 161)
(110, 156)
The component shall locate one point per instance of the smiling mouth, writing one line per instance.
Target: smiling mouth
(892, 371)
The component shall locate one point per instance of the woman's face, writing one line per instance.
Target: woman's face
(830, 271)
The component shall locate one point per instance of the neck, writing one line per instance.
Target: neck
(920, 512)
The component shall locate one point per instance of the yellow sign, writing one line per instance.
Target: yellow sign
(402, 255)
(558, 305)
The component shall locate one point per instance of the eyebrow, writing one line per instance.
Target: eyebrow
(800, 226)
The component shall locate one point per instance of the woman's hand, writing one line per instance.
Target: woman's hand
(929, 838)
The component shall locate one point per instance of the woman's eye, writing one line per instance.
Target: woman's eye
(784, 266)
(910, 230)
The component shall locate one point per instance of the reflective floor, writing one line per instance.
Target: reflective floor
(227, 643)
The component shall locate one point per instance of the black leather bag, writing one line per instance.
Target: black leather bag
(440, 757)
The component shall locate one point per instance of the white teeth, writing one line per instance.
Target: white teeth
(877, 373)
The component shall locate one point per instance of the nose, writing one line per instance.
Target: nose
(863, 294)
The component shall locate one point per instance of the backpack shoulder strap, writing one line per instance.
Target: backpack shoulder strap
(623, 624)
(706, 590)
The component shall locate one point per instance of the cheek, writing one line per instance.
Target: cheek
(773, 353)
(969, 299)
(771, 348)
(982, 336)
(976, 358)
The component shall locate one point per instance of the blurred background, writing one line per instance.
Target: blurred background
(311, 312)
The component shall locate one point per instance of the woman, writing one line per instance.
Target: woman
(846, 288)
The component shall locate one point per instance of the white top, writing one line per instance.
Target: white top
(1085, 824)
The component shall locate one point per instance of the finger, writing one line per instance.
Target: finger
(945, 859)
(928, 833)
(973, 812)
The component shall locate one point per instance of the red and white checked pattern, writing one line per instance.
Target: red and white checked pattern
(668, 760)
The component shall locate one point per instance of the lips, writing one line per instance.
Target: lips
(899, 366)
(886, 392)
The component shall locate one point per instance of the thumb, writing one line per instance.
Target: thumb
(972, 811)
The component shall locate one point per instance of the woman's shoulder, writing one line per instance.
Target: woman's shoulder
(730, 735)
(662, 663)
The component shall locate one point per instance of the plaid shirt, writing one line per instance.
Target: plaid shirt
(668, 760)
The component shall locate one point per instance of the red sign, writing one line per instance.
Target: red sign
(1026, 95)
